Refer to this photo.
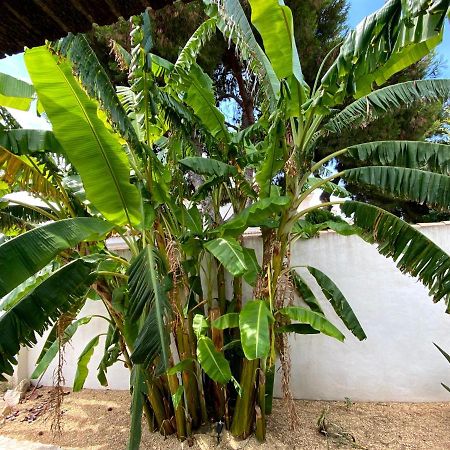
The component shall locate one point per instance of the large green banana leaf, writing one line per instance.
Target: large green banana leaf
(258, 214)
(254, 321)
(40, 308)
(386, 99)
(23, 256)
(428, 156)
(199, 95)
(273, 20)
(413, 252)
(212, 361)
(229, 253)
(317, 321)
(412, 184)
(23, 142)
(93, 149)
(394, 37)
(15, 93)
(97, 83)
(338, 302)
(208, 166)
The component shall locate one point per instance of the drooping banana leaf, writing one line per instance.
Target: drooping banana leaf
(254, 321)
(40, 308)
(233, 23)
(146, 288)
(261, 213)
(229, 253)
(230, 320)
(23, 256)
(97, 83)
(368, 108)
(316, 320)
(399, 34)
(23, 142)
(82, 365)
(15, 93)
(18, 217)
(305, 292)
(338, 302)
(212, 361)
(27, 173)
(93, 149)
(428, 156)
(138, 388)
(253, 268)
(50, 351)
(208, 166)
(412, 184)
(413, 252)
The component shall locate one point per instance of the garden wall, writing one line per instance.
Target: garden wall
(397, 362)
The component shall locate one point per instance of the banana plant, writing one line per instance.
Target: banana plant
(155, 162)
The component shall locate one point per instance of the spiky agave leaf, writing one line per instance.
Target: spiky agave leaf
(413, 252)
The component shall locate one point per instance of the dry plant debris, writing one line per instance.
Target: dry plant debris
(99, 420)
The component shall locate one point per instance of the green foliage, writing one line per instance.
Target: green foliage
(41, 245)
(40, 308)
(53, 344)
(15, 93)
(338, 302)
(254, 321)
(414, 253)
(83, 361)
(98, 155)
(163, 166)
(212, 361)
(146, 290)
(315, 320)
(447, 357)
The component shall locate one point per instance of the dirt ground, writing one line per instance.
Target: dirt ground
(98, 419)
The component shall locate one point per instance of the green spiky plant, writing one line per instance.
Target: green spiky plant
(157, 163)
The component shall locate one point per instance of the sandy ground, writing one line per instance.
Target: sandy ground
(98, 419)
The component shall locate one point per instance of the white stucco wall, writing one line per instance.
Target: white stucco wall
(397, 362)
